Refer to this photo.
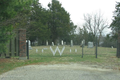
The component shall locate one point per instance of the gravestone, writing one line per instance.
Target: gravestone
(42, 50)
(71, 43)
(46, 43)
(75, 50)
(35, 43)
(29, 43)
(62, 42)
(111, 46)
(36, 50)
(83, 43)
(70, 51)
(52, 43)
(90, 44)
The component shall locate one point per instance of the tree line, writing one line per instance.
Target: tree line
(41, 24)
(51, 24)
(12, 14)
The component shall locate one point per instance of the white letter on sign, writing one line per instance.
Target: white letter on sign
(54, 52)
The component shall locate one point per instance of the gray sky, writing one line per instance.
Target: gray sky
(77, 8)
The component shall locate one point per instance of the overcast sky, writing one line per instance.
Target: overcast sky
(76, 8)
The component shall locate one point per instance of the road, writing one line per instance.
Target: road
(60, 72)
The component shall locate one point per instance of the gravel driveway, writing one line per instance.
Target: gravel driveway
(60, 72)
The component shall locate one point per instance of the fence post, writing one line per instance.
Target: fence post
(82, 50)
(96, 48)
(27, 47)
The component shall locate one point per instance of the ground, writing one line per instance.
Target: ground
(69, 71)
(68, 66)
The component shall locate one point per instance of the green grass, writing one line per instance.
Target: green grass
(105, 55)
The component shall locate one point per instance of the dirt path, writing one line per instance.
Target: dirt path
(70, 71)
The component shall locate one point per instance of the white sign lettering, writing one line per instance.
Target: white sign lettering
(57, 49)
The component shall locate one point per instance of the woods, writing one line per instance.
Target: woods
(40, 23)
(10, 11)
(52, 24)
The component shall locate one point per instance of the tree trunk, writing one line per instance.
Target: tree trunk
(118, 45)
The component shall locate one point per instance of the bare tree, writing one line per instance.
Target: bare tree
(95, 24)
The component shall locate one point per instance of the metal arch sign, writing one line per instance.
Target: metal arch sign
(57, 49)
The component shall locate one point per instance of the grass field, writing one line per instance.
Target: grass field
(106, 57)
